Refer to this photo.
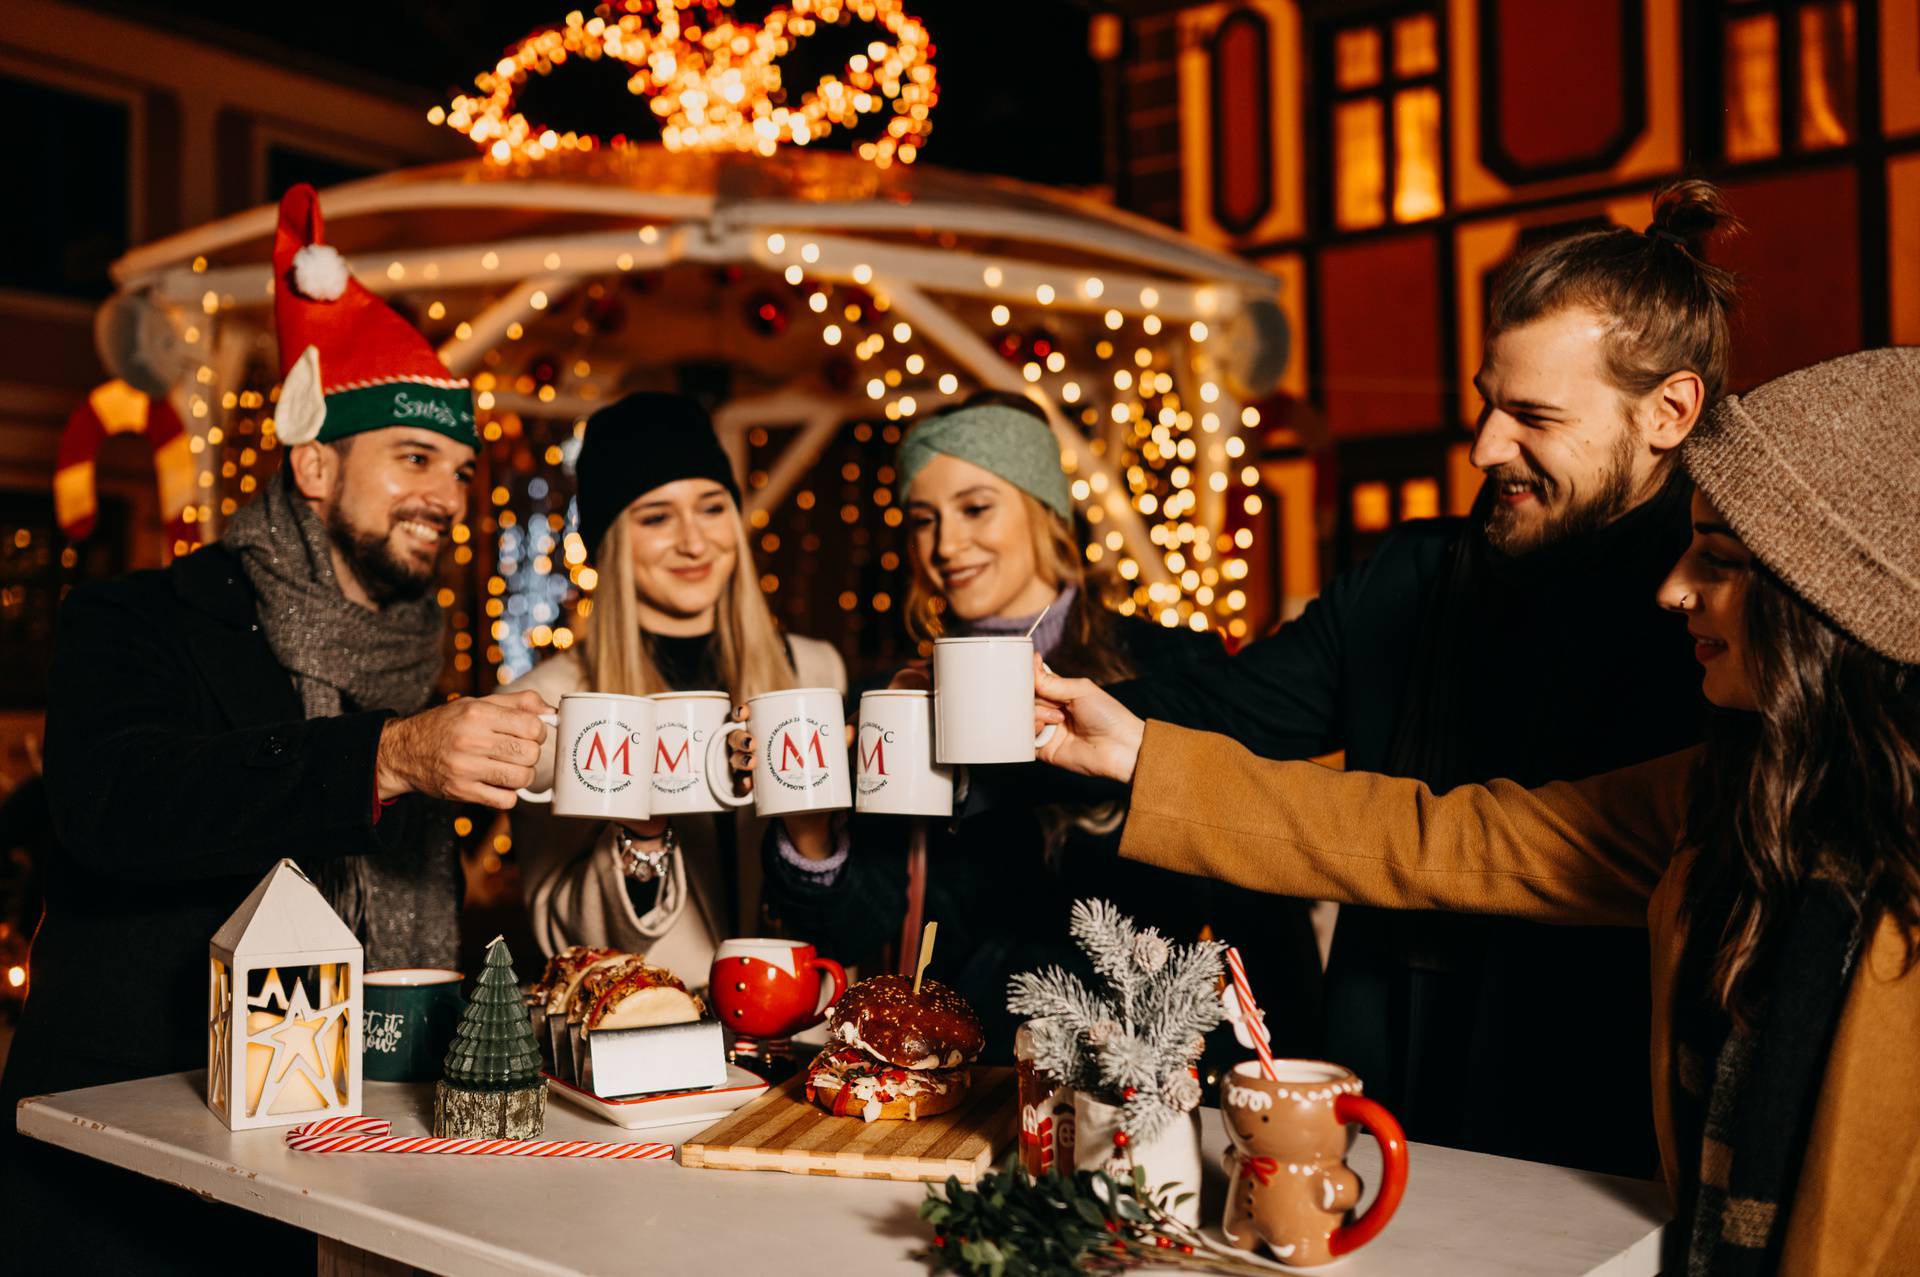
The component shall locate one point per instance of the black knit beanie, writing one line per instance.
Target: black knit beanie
(638, 444)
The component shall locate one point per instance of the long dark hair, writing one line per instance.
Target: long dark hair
(1822, 782)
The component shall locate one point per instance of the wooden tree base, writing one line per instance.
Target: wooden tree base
(502, 1115)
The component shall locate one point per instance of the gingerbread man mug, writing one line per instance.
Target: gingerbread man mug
(1289, 1184)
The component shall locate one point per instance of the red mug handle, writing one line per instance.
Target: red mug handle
(1393, 1171)
(836, 976)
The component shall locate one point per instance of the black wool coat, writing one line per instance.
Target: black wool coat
(1470, 1028)
(180, 767)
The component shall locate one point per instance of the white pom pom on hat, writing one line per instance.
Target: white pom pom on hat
(320, 273)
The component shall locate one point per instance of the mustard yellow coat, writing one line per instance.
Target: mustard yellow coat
(1599, 851)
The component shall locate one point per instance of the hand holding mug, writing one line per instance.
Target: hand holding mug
(472, 750)
(1096, 735)
(811, 833)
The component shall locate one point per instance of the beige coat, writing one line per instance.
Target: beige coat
(576, 893)
(1592, 852)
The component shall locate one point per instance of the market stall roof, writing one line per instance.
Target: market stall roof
(472, 200)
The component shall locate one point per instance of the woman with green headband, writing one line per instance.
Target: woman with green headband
(994, 548)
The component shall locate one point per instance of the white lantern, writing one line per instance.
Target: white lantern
(283, 1020)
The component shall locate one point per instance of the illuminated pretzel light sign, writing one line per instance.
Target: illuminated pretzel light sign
(715, 83)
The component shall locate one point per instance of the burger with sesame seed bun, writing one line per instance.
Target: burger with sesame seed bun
(896, 1053)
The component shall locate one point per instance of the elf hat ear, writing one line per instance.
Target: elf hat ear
(302, 409)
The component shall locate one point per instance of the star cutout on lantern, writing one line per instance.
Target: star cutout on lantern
(272, 995)
(294, 1040)
(217, 1030)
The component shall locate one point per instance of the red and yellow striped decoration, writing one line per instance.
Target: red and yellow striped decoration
(116, 408)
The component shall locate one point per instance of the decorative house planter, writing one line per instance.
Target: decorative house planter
(1171, 1158)
(283, 1008)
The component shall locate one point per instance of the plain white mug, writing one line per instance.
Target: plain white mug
(983, 701)
(685, 725)
(894, 771)
(799, 755)
(599, 756)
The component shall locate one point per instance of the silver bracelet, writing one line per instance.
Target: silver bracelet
(639, 863)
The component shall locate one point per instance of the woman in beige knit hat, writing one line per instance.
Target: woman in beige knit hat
(1777, 866)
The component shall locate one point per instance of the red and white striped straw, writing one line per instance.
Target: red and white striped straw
(375, 1135)
(1250, 1012)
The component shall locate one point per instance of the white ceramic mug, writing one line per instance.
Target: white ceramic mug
(685, 725)
(894, 771)
(983, 701)
(799, 755)
(600, 757)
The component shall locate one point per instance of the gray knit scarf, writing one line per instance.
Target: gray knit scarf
(404, 905)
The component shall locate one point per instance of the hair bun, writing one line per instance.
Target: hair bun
(1690, 212)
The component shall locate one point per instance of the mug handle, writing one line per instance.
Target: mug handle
(719, 777)
(546, 795)
(835, 975)
(1386, 1132)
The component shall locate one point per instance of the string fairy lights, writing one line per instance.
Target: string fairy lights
(715, 83)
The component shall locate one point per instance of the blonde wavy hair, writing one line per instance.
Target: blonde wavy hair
(753, 653)
(1087, 649)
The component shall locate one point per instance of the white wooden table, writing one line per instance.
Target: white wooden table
(1464, 1213)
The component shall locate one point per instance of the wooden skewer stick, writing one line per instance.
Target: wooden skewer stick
(926, 955)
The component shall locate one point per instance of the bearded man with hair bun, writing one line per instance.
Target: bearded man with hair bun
(1522, 641)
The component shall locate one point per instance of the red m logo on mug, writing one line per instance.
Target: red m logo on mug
(666, 762)
(874, 761)
(788, 749)
(621, 755)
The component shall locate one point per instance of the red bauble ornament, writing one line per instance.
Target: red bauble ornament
(1129, 1093)
(1120, 1139)
(768, 314)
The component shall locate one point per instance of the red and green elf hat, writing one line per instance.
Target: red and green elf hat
(348, 363)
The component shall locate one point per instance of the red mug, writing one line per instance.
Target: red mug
(763, 988)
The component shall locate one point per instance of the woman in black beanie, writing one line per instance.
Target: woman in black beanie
(678, 608)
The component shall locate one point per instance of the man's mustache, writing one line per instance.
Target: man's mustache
(432, 518)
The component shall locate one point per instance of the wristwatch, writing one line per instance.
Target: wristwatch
(642, 864)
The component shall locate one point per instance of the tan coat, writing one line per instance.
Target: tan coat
(575, 892)
(1591, 852)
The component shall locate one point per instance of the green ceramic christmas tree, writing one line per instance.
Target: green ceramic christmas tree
(493, 1087)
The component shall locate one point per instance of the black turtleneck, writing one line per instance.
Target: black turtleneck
(687, 662)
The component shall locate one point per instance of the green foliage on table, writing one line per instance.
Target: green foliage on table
(1011, 1224)
(1133, 1040)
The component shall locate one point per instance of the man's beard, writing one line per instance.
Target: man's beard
(382, 574)
(1611, 498)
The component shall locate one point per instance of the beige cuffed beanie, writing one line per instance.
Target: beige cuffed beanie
(1819, 473)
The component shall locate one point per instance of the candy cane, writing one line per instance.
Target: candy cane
(1255, 1022)
(375, 1135)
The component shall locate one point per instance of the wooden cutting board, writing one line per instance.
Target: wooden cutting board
(781, 1131)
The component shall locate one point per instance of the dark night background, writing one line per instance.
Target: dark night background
(1019, 95)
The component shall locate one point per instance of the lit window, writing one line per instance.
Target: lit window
(1420, 499)
(1372, 507)
(1788, 76)
(1384, 118)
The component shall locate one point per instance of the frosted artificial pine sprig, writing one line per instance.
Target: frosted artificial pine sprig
(1147, 1023)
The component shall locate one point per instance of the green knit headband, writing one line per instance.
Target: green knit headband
(1015, 445)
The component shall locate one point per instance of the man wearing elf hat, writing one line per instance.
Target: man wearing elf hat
(269, 695)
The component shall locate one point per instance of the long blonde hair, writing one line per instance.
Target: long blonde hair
(753, 654)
